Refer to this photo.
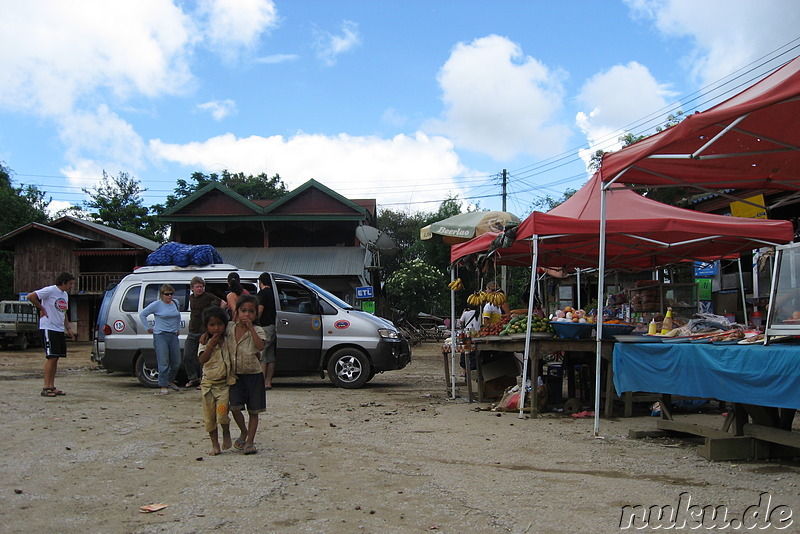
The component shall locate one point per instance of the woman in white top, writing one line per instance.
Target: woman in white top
(492, 313)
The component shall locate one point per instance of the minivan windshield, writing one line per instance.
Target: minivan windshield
(332, 298)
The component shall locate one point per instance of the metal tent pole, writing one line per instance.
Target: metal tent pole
(741, 286)
(599, 323)
(526, 359)
(453, 337)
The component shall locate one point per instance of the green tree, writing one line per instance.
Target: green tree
(260, 187)
(21, 205)
(403, 228)
(116, 202)
(417, 287)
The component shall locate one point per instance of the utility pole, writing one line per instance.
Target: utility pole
(503, 273)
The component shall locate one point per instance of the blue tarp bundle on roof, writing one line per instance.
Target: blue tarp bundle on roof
(173, 253)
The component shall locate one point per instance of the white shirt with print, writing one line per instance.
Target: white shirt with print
(55, 302)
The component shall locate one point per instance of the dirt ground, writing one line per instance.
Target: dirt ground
(395, 456)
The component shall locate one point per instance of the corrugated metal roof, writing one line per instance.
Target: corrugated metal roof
(299, 261)
(122, 235)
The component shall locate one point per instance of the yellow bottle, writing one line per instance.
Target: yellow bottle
(652, 328)
(666, 325)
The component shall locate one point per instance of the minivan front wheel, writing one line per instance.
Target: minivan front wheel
(147, 373)
(349, 368)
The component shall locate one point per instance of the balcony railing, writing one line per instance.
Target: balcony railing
(97, 282)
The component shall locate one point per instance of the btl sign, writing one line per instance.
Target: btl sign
(364, 292)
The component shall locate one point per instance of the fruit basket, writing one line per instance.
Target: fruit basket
(611, 330)
(568, 330)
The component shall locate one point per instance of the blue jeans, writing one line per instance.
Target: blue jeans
(168, 355)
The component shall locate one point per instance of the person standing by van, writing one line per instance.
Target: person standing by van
(199, 300)
(52, 302)
(165, 336)
(235, 290)
(266, 315)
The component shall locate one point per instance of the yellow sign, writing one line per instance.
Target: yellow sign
(743, 209)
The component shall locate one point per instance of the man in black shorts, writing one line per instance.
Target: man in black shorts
(52, 302)
(266, 314)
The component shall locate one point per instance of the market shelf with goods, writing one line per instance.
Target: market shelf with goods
(650, 299)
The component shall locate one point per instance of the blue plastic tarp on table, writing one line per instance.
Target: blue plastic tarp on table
(751, 374)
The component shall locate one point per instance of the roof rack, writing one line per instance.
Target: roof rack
(169, 268)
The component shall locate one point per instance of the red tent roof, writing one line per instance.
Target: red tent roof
(640, 233)
(750, 141)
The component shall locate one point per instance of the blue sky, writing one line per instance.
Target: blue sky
(408, 102)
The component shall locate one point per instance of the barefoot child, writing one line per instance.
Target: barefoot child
(245, 341)
(217, 377)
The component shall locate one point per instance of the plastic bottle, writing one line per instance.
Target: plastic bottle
(666, 324)
(652, 328)
(756, 319)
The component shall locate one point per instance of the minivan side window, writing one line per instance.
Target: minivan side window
(181, 294)
(295, 298)
(130, 302)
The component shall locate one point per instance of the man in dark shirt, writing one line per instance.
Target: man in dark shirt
(199, 300)
(266, 314)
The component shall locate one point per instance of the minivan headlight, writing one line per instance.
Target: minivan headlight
(389, 334)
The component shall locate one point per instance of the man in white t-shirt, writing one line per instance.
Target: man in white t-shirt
(53, 302)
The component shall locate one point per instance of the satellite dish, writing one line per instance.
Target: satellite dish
(376, 241)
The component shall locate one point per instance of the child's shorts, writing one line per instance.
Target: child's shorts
(248, 393)
(216, 398)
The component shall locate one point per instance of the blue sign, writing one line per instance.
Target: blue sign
(706, 269)
(364, 292)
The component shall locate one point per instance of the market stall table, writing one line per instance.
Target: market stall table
(540, 347)
(752, 376)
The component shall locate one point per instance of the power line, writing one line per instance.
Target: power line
(528, 177)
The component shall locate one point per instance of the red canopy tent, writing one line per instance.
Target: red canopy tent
(750, 141)
(641, 233)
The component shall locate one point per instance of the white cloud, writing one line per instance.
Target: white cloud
(219, 109)
(618, 100)
(366, 167)
(55, 206)
(98, 140)
(232, 26)
(330, 46)
(52, 54)
(727, 34)
(275, 59)
(500, 102)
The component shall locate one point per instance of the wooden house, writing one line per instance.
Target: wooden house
(96, 254)
(310, 232)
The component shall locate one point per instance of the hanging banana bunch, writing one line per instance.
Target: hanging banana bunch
(498, 298)
(478, 298)
(456, 285)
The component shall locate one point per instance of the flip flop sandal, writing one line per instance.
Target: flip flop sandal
(57, 392)
(46, 392)
(239, 445)
(250, 450)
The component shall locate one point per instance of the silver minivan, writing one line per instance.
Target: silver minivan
(316, 331)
